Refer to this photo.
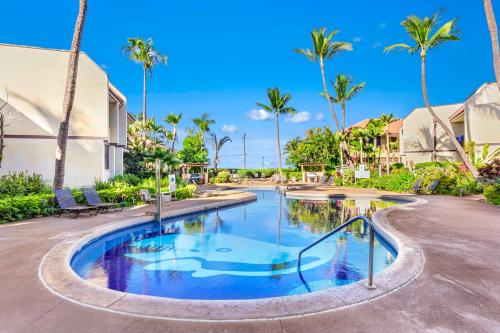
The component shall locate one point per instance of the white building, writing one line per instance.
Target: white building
(32, 83)
(477, 120)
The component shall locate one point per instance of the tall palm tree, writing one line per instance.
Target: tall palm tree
(492, 27)
(324, 49)
(387, 119)
(142, 51)
(217, 146)
(278, 105)
(345, 90)
(173, 120)
(427, 35)
(203, 123)
(69, 96)
(166, 157)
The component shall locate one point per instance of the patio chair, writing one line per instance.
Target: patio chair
(198, 192)
(93, 199)
(67, 204)
(433, 185)
(146, 196)
(331, 181)
(323, 180)
(417, 187)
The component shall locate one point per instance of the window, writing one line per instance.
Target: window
(106, 156)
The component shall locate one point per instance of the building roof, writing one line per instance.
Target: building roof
(394, 127)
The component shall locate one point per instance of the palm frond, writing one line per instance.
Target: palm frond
(265, 107)
(306, 52)
(447, 32)
(400, 46)
(337, 47)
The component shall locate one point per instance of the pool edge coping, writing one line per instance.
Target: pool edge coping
(59, 278)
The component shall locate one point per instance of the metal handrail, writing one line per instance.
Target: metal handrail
(368, 285)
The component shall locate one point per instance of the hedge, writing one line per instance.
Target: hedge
(21, 208)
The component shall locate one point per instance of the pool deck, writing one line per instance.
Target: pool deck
(458, 289)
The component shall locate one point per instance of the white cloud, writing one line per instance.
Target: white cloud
(377, 45)
(382, 25)
(356, 39)
(259, 114)
(229, 129)
(104, 66)
(320, 116)
(299, 117)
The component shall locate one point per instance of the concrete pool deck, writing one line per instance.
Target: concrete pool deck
(457, 289)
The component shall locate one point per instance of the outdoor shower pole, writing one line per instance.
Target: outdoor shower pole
(158, 190)
(370, 284)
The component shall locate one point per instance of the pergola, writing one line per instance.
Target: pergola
(204, 170)
(307, 178)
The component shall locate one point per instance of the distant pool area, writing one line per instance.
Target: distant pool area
(247, 251)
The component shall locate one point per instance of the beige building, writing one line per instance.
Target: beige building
(477, 119)
(32, 83)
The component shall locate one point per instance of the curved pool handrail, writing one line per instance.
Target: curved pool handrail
(370, 284)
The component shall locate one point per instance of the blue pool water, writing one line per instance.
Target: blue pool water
(243, 252)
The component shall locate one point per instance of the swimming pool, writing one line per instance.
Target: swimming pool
(243, 252)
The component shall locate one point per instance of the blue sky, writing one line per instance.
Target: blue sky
(223, 55)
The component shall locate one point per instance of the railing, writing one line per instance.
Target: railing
(369, 284)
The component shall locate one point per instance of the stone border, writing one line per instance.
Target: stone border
(57, 275)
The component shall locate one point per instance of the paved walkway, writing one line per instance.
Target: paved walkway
(458, 290)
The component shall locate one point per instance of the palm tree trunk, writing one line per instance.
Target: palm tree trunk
(447, 130)
(327, 95)
(174, 136)
(343, 117)
(2, 137)
(144, 117)
(388, 163)
(492, 27)
(279, 146)
(69, 96)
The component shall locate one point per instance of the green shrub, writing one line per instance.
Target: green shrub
(395, 182)
(20, 208)
(222, 177)
(127, 178)
(452, 180)
(491, 192)
(246, 173)
(297, 174)
(22, 184)
(185, 192)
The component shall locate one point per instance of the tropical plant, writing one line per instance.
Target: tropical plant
(193, 150)
(345, 90)
(69, 96)
(426, 35)
(217, 146)
(167, 159)
(324, 49)
(142, 51)
(203, 123)
(173, 120)
(278, 105)
(492, 27)
(387, 119)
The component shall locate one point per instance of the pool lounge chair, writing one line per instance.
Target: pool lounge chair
(433, 185)
(331, 181)
(323, 180)
(93, 199)
(198, 192)
(417, 187)
(146, 196)
(67, 204)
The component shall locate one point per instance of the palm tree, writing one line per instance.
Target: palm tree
(492, 27)
(278, 105)
(203, 123)
(323, 49)
(426, 35)
(142, 51)
(69, 96)
(166, 157)
(345, 90)
(387, 119)
(174, 120)
(217, 146)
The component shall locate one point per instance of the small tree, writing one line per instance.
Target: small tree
(203, 123)
(217, 146)
(387, 119)
(173, 120)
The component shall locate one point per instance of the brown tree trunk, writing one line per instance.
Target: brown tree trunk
(388, 163)
(69, 96)
(327, 95)
(144, 117)
(278, 142)
(492, 27)
(174, 136)
(2, 137)
(447, 130)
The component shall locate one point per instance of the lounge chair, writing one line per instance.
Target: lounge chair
(67, 204)
(93, 199)
(205, 193)
(331, 181)
(146, 196)
(323, 179)
(433, 185)
(417, 187)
